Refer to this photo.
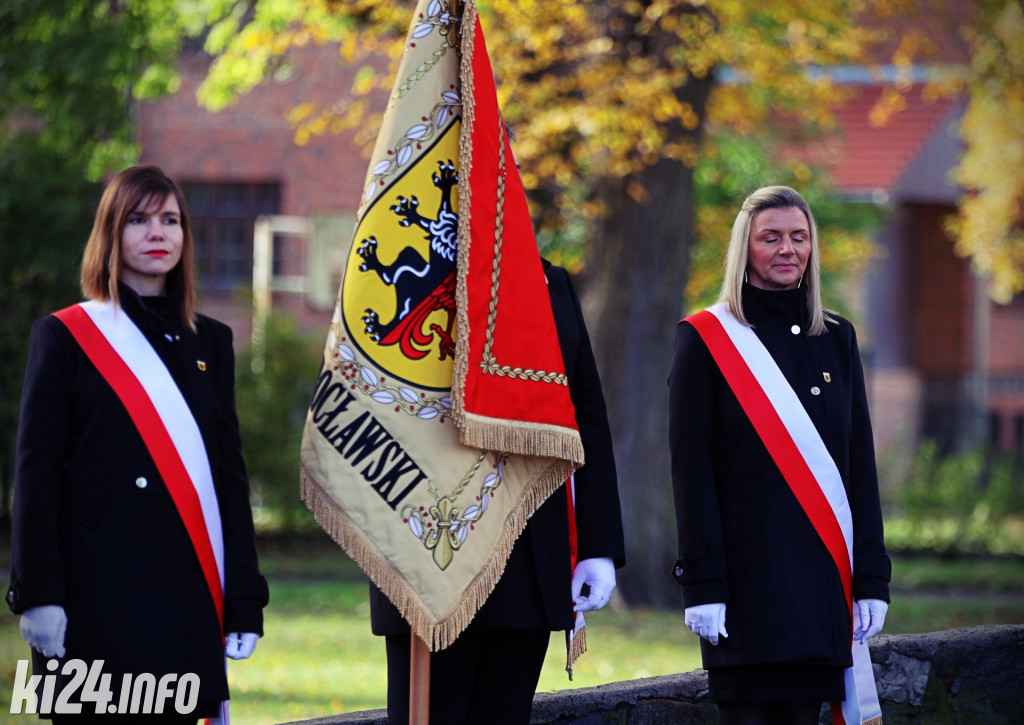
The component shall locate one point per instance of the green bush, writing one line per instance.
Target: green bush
(970, 502)
(273, 387)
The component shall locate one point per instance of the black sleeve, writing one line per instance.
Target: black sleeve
(702, 565)
(246, 590)
(43, 447)
(598, 511)
(871, 567)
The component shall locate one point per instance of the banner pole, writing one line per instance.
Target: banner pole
(419, 682)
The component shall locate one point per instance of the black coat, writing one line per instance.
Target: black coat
(94, 527)
(535, 590)
(743, 537)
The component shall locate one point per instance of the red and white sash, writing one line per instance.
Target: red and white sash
(142, 382)
(793, 442)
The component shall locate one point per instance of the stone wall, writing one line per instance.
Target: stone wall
(973, 675)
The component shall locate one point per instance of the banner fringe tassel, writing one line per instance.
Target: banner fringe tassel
(577, 647)
(499, 436)
(436, 634)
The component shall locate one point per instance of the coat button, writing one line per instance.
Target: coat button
(815, 390)
(795, 329)
(141, 482)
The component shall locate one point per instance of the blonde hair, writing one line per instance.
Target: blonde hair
(731, 295)
(101, 262)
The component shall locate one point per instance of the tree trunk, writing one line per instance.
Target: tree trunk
(633, 299)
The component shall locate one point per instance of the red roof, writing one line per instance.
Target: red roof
(871, 149)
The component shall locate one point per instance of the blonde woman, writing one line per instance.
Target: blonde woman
(774, 479)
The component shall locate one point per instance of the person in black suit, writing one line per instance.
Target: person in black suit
(490, 673)
(758, 584)
(102, 566)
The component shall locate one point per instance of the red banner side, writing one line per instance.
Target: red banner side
(524, 326)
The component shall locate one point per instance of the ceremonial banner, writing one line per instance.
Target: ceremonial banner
(425, 483)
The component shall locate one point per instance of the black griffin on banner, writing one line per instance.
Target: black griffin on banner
(422, 286)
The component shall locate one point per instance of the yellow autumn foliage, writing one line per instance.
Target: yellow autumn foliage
(590, 87)
(599, 87)
(988, 224)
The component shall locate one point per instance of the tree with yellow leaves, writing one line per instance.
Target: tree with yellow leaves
(989, 225)
(610, 101)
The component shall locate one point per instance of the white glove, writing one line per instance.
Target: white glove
(599, 575)
(44, 627)
(869, 618)
(240, 646)
(706, 621)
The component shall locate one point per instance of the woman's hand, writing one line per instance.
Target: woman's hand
(44, 627)
(706, 621)
(240, 646)
(870, 617)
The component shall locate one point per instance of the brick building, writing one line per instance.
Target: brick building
(242, 163)
(943, 361)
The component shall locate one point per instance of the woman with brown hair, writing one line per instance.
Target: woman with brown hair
(133, 550)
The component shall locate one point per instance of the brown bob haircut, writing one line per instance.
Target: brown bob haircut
(137, 187)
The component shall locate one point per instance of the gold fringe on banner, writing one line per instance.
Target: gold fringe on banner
(438, 634)
(550, 441)
(576, 646)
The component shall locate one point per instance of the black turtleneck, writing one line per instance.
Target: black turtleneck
(159, 319)
(780, 321)
(157, 311)
(787, 305)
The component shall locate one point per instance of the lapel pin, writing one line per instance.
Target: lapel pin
(828, 378)
(201, 364)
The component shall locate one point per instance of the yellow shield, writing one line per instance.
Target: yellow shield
(398, 300)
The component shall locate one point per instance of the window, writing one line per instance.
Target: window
(223, 216)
